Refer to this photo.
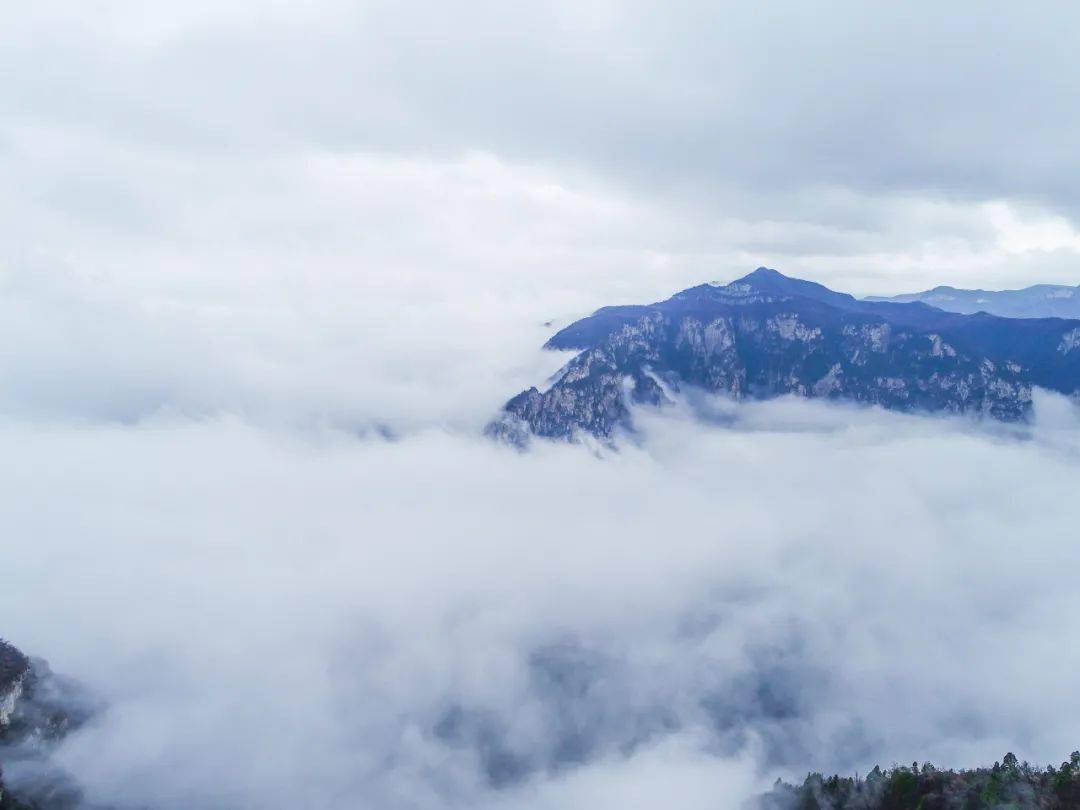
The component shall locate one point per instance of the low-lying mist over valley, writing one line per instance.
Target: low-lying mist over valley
(442, 621)
(272, 583)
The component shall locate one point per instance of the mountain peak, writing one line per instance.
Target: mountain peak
(764, 278)
(773, 282)
(763, 273)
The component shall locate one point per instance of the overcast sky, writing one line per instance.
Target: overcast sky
(205, 198)
(266, 270)
(880, 148)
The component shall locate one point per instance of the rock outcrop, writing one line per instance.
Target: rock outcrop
(37, 710)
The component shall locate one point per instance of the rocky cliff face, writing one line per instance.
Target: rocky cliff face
(14, 667)
(37, 710)
(767, 335)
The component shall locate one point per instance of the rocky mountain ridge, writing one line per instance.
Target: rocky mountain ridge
(767, 335)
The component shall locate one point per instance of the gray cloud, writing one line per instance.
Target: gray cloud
(971, 102)
(848, 142)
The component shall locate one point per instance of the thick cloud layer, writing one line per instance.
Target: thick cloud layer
(976, 99)
(440, 622)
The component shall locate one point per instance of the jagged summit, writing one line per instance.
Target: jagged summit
(767, 334)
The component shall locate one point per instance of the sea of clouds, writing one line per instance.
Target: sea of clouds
(266, 271)
(280, 616)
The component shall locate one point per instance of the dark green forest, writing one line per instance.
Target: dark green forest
(1007, 785)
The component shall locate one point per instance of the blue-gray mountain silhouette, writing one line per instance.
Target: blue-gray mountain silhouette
(767, 335)
(1038, 301)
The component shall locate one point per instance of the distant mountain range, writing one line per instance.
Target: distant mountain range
(1039, 301)
(766, 335)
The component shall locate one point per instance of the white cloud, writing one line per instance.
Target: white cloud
(813, 587)
(1025, 234)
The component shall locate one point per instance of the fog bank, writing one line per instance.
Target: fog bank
(440, 621)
